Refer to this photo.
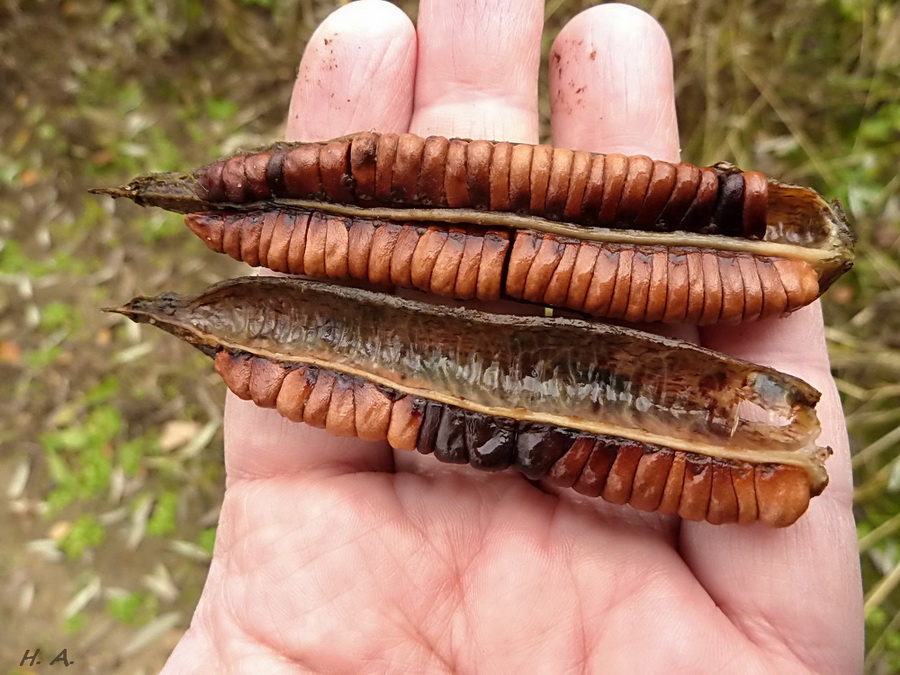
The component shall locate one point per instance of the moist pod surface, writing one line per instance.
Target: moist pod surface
(572, 228)
(627, 416)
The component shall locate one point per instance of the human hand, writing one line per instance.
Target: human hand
(336, 554)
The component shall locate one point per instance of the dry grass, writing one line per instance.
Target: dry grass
(112, 446)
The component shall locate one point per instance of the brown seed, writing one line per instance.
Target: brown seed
(500, 164)
(603, 282)
(265, 381)
(265, 236)
(334, 166)
(209, 227)
(578, 182)
(337, 247)
(295, 390)
(520, 178)
(401, 258)
(723, 505)
(659, 287)
(456, 189)
(446, 267)
(650, 479)
(314, 252)
(236, 188)
(558, 184)
(678, 287)
(639, 295)
(558, 287)
(671, 498)
(282, 231)
(593, 189)
(406, 419)
(782, 493)
(373, 411)
(478, 172)
(467, 276)
(700, 212)
(255, 175)
(593, 476)
(297, 244)
(697, 282)
(622, 289)
(491, 269)
(211, 184)
(425, 255)
(542, 268)
(774, 296)
(301, 171)
(753, 292)
(408, 167)
(696, 488)
(315, 413)
(235, 370)
(431, 180)
(385, 160)
(634, 192)
(526, 244)
(712, 289)
(582, 273)
(733, 292)
(687, 180)
(383, 242)
(615, 171)
(231, 238)
(756, 204)
(363, 160)
(659, 189)
(568, 468)
(617, 488)
(341, 417)
(359, 247)
(252, 232)
(743, 481)
(541, 160)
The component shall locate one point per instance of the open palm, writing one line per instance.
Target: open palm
(339, 555)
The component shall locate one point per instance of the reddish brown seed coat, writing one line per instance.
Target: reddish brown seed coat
(637, 283)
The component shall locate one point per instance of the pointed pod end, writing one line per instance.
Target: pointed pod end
(178, 192)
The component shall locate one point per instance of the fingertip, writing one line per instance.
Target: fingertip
(357, 73)
(611, 84)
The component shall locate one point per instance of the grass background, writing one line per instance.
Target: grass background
(110, 467)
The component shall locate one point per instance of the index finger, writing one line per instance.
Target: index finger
(357, 73)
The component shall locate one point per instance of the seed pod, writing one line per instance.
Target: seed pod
(608, 411)
(558, 208)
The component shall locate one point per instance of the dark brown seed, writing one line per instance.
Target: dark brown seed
(490, 441)
(450, 442)
(729, 210)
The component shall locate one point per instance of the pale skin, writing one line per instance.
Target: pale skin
(339, 555)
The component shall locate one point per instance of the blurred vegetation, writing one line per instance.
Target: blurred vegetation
(111, 438)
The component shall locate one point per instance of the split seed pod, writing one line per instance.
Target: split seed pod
(657, 423)
(609, 235)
